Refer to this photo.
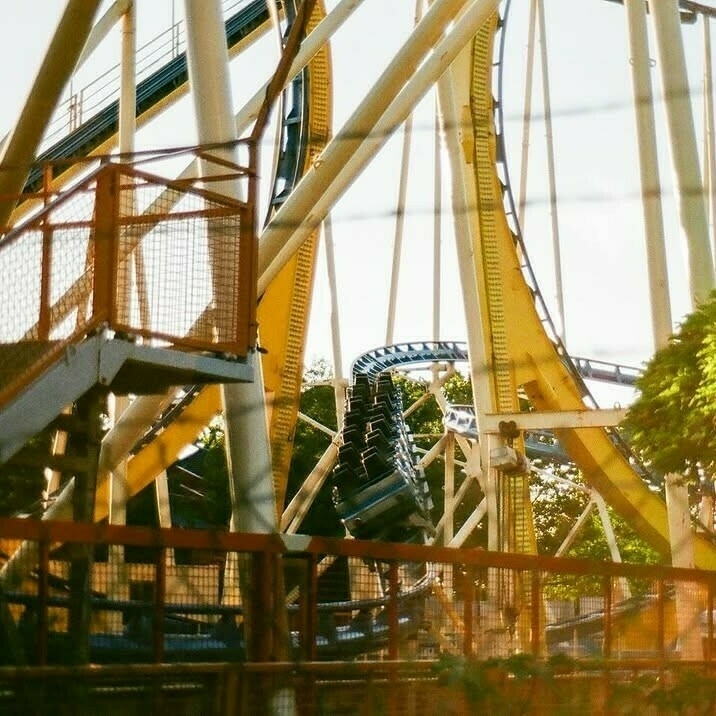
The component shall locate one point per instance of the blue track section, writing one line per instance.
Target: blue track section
(382, 359)
(461, 418)
(415, 353)
(103, 125)
(539, 444)
(214, 633)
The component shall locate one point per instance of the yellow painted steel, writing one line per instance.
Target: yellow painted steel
(495, 295)
(523, 354)
(514, 333)
(165, 449)
(283, 319)
(283, 310)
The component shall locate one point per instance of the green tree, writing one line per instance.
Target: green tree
(317, 400)
(672, 424)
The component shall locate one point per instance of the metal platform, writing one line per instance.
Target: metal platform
(120, 365)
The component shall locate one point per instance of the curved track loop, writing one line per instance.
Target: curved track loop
(516, 327)
(525, 354)
(379, 359)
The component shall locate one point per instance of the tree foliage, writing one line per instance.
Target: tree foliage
(673, 422)
(206, 500)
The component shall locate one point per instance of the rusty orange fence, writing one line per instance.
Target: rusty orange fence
(341, 626)
(166, 262)
(406, 600)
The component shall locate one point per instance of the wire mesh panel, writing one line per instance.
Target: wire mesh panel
(46, 283)
(182, 257)
(354, 627)
(167, 262)
(113, 691)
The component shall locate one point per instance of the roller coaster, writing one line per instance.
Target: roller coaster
(372, 467)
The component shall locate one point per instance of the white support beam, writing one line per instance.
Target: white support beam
(649, 172)
(576, 527)
(370, 127)
(298, 508)
(547, 420)
(684, 150)
(469, 525)
(20, 147)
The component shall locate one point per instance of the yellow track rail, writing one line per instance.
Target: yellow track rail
(516, 337)
(495, 296)
(283, 321)
(283, 310)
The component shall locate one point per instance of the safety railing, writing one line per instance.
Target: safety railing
(179, 591)
(327, 624)
(80, 104)
(162, 261)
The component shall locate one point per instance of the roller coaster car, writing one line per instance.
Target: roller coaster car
(347, 481)
(392, 501)
(379, 438)
(385, 501)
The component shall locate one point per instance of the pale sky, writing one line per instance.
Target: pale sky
(602, 239)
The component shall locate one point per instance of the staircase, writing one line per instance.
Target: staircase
(96, 298)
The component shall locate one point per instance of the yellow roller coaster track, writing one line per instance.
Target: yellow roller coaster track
(515, 336)
(516, 507)
(283, 320)
(283, 309)
(523, 354)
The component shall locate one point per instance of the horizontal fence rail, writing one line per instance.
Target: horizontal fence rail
(226, 623)
(164, 262)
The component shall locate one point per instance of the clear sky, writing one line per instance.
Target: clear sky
(602, 239)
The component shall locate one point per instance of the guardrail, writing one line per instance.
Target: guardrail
(164, 261)
(167, 624)
(175, 596)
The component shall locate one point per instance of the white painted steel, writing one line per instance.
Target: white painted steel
(710, 138)
(684, 152)
(21, 145)
(649, 172)
(546, 420)
(248, 449)
(527, 115)
(551, 173)
(339, 383)
(369, 127)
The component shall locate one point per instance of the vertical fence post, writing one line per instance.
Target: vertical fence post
(468, 604)
(260, 608)
(160, 593)
(393, 611)
(393, 637)
(660, 620)
(43, 323)
(43, 570)
(248, 258)
(535, 614)
(311, 630)
(311, 625)
(106, 212)
(708, 653)
(607, 648)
